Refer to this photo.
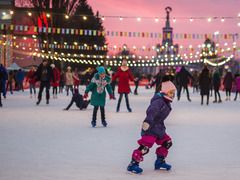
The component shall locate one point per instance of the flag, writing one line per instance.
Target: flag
(67, 31)
(49, 30)
(72, 31)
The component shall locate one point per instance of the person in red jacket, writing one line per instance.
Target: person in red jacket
(123, 85)
(76, 80)
(32, 82)
(56, 83)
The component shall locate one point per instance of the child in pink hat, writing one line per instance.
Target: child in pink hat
(154, 130)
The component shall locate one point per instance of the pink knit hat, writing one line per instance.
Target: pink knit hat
(168, 86)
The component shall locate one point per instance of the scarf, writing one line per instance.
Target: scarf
(101, 83)
(165, 96)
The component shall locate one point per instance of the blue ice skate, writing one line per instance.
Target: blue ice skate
(160, 164)
(93, 124)
(129, 110)
(104, 123)
(134, 167)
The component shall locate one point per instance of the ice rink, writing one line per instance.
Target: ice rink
(46, 143)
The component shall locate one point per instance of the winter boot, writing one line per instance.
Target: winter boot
(134, 167)
(219, 101)
(160, 164)
(47, 102)
(38, 102)
(215, 101)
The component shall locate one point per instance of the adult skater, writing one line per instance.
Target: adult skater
(10, 81)
(2, 87)
(99, 83)
(237, 84)
(228, 82)
(78, 99)
(183, 79)
(154, 130)
(56, 83)
(20, 78)
(204, 83)
(216, 84)
(138, 77)
(32, 82)
(69, 80)
(4, 91)
(44, 74)
(124, 75)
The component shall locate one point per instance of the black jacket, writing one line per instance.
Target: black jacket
(2, 76)
(204, 82)
(38, 73)
(78, 99)
(183, 77)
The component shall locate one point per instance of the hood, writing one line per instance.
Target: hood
(107, 78)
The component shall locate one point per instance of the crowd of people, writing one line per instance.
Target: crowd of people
(49, 76)
(100, 81)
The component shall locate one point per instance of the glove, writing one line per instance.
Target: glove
(111, 96)
(85, 95)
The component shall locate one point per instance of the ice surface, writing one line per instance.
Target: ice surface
(46, 143)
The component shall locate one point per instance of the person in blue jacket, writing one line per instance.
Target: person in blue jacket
(20, 78)
(78, 99)
(154, 130)
(4, 79)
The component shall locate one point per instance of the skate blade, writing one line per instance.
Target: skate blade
(163, 170)
(133, 173)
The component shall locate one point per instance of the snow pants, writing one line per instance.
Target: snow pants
(148, 141)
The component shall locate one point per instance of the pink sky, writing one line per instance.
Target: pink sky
(156, 8)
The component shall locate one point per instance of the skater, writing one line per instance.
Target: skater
(158, 79)
(138, 77)
(2, 68)
(154, 130)
(2, 78)
(237, 84)
(183, 80)
(32, 82)
(78, 99)
(216, 84)
(204, 82)
(195, 82)
(44, 74)
(61, 81)
(228, 82)
(98, 98)
(56, 84)
(123, 85)
(113, 83)
(10, 81)
(76, 80)
(69, 80)
(20, 78)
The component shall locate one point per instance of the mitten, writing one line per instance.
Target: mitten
(85, 95)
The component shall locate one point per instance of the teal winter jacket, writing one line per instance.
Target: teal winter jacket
(99, 99)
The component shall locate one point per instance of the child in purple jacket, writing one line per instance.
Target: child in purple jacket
(153, 130)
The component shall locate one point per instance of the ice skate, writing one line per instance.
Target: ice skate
(133, 167)
(160, 164)
(38, 102)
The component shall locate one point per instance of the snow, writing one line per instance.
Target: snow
(46, 143)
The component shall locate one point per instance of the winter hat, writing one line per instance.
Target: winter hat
(44, 60)
(53, 65)
(75, 91)
(101, 70)
(168, 86)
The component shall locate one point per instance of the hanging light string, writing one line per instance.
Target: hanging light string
(121, 18)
